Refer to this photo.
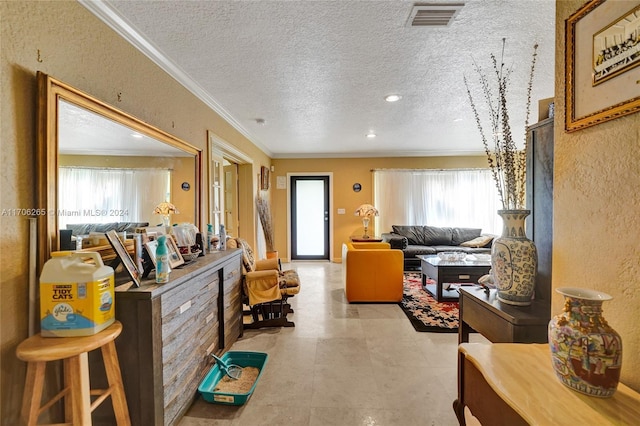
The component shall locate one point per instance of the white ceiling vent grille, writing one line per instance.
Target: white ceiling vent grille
(433, 15)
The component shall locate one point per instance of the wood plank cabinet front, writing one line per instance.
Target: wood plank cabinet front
(169, 333)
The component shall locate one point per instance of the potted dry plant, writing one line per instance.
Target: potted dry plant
(266, 220)
(513, 256)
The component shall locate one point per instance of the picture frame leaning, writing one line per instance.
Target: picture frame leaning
(175, 258)
(126, 260)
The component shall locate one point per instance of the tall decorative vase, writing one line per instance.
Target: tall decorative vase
(586, 352)
(514, 260)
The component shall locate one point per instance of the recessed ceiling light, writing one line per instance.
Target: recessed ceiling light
(371, 135)
(392, 98)
(136, 135)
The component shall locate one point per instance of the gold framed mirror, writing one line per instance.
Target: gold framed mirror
(77, 131)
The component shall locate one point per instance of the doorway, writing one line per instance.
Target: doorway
(230, 189)
(310, 218)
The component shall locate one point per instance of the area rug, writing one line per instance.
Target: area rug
(422, 309)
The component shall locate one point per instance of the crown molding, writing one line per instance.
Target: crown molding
(107, 14)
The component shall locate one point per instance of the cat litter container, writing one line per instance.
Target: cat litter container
(241, 358)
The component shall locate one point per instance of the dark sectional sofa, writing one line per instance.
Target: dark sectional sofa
(87, 228)
(67, 236)
(416, 240)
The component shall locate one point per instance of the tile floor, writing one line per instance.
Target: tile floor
(343, 364)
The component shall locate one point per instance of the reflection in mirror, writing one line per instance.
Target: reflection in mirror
(109, 173)
(102, 169)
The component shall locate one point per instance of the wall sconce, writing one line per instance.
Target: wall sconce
(365, 211)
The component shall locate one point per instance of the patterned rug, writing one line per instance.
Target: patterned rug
(422, 309)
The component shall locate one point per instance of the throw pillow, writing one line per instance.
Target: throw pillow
(248, 260)
(477, 242)
(460, 235)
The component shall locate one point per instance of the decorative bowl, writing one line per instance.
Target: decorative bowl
(188, 257)
(452, 256)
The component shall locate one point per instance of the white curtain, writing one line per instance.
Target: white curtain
(456, 198)
(93, 195)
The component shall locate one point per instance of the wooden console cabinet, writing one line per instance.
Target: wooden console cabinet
(169, 333)
(514, 384)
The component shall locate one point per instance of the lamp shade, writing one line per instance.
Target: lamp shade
(366, 210)
(165, 208)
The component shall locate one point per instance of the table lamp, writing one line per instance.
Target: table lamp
(366, 211)
(165, 208)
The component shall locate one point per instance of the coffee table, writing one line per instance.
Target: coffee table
(448, 275)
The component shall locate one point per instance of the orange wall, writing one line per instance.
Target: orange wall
(346, 172)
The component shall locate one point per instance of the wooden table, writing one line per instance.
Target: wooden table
(462, 272)
(361, 239)
(500, 322)
(514, 384)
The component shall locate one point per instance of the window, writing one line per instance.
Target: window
(460, 198)
(96, 195)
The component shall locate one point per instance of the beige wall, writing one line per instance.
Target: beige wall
(66, 41)
(596, 173)
(346, 172)
(597, 212)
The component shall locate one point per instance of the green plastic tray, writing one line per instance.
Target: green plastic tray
(241, 358)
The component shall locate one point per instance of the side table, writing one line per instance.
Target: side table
(365, 240)
(500, 322)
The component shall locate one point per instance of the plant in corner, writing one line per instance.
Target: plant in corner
(266, 220)
(514, 257)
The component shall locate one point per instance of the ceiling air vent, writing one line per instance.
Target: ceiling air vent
(433, 15)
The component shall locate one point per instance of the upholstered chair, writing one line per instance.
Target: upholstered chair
(266, 288)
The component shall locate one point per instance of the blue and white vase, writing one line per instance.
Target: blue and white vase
(586, 352)
(514, 260)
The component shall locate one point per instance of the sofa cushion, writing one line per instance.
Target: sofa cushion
(413, 250)
(412, 233)
(460, 235)
(437, 236)
(481, 241)
(425, 235)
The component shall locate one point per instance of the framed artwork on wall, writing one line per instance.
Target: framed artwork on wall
(264, 178)
(601, 63)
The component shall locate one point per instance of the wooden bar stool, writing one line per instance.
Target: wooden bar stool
(37, 350)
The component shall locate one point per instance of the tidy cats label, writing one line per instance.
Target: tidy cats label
(76, 308)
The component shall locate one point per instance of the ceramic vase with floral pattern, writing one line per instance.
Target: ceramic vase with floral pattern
(586, 352)
(514, 260)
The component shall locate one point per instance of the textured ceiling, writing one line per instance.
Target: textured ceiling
(317, 71)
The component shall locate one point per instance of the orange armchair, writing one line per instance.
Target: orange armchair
(372, 272)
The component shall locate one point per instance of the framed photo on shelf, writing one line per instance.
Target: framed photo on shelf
(121, 251)
(150, 247)
(264, 178)
(175, 258)
(601, 63)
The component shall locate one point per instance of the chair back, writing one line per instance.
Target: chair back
(248, 258)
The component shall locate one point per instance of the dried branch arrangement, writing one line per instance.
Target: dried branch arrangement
(264, 213)
(507, 163)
